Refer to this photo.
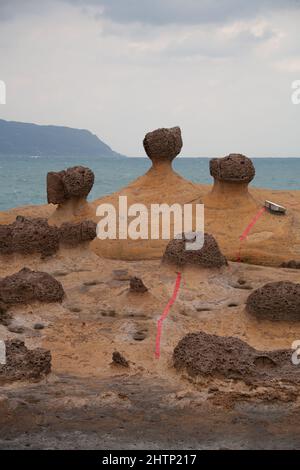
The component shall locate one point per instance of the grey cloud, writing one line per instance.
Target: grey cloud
(154, 12)
(11, 9)
(159, 12)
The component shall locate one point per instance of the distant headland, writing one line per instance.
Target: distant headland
(19, 138)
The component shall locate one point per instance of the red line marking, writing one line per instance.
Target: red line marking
(247, 230)
(164, 315)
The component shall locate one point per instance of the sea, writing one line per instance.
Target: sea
(23, 178)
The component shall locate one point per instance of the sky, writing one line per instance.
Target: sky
(221, 70)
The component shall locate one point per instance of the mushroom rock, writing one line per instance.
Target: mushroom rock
(209, 256)
(206, 355)
(69, 190)
(27, 286)
(231, 174)
(160, 185)
(231, 207)
(23, 363)
(275, 301)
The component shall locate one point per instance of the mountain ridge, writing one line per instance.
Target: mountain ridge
(22, 138)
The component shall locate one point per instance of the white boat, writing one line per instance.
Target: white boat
(273, 207)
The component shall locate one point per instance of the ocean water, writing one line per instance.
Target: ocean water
(23, 179)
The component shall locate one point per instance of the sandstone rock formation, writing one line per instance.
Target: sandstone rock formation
(209, 256)
(73, 234)
(27, 286)
(202, 354)
(137, 285)
(231, 174)
(235, 168)
(275, 301)
(231, 207)
(69, 189)
(163, 144)
(24, 364)
(28, 235)
(160, 185)
(75, 182)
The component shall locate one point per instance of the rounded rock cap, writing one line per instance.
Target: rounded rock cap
(163, 144)
(73, 182)
(233, 168)
(275, 301)
(209, 256)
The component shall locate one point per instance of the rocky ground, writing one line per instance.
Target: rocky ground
(88, 401)
(225, 377)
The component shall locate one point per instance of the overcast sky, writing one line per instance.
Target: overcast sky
(221, 70)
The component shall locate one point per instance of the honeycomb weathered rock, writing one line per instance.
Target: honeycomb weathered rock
(202, 354)
(24, 364)
(163, 144)
(209, 256)
(27, 286)
(74, 182)
(232, 168)
(275, 301)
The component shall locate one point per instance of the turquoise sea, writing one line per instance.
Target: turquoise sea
(23, 179)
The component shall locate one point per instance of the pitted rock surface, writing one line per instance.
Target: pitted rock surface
(30, 235)
(137, 285)
(75, 182)
(233, 168)
(163, 144)
(202, 354)
(209, 256)
(275, 301)
(74, 234)
(24, 364)
(27, 286)
(33, 235)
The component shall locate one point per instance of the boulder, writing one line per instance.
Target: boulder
(28, 286)
(275, 301)
(209, 256)
(23, 363)
(137, 285)
(202, 354)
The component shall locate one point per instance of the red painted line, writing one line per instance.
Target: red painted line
(164, 315)
(247, 230)
(238, 256)
(252, 223)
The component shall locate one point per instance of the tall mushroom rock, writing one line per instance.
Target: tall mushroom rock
(69, 190)
(160, 185)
